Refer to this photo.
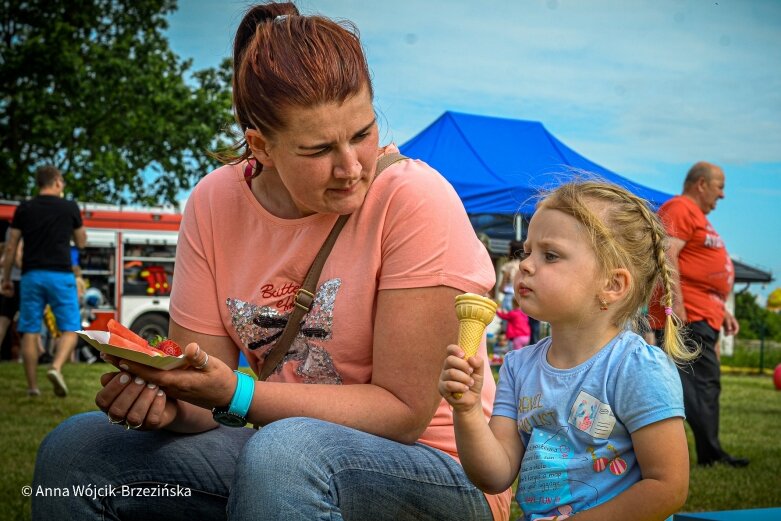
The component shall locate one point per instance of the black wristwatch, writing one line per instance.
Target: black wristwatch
(223, 416)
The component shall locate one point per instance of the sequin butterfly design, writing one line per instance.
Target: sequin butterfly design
(617, 465)
(260, 326)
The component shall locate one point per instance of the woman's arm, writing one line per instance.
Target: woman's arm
(412, 328)
(663, 457)
(191, 418)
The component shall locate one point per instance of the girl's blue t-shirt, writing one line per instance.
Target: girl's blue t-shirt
(576, 423)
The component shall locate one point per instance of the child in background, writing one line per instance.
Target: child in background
(592, 416)
(518, 330)
(502, 345)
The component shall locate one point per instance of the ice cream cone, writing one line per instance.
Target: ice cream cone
(474, 313)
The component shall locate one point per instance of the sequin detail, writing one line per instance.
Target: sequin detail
(259, 327)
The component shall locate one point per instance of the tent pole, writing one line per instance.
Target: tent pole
(518, 227)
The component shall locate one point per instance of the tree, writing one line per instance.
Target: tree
(756, 320)
(92, 87)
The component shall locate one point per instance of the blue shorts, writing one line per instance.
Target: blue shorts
(56, 288)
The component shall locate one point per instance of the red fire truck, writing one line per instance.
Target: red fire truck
(128, 265)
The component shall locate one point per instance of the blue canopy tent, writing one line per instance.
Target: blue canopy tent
(498, 166)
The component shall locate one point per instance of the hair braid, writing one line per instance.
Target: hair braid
(673, 343)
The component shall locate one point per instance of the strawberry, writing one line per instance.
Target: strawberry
(167, 346)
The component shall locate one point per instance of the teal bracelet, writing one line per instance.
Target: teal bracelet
(242, 396)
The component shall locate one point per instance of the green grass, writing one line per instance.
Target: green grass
(25, 421)
(750, 427)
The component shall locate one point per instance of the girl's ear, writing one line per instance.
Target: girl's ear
(259, 146)
(616, 285)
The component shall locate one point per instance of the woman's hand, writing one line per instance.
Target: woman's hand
(206, 382)
(131, 401)
(461, 376)
(145, 397)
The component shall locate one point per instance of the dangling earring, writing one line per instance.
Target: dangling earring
(602, 304)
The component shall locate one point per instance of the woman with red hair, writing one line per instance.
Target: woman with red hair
(352, 425)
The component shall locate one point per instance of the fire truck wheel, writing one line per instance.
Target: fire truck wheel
(151, 325)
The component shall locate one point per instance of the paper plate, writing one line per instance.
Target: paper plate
(99, 340)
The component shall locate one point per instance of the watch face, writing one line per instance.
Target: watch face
(229, 419)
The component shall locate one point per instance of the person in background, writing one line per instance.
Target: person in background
(507, 275)
(706, 277)
(534, 329)
(9, 306)
(352, 424)
(502, 345)
(81, 284)
(46, 223)
(591, 416)
(85, 352)
(518, 330)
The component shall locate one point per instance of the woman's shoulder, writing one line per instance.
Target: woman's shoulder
(218, 194)
(415, 181)
(220, 175)
(222, 181)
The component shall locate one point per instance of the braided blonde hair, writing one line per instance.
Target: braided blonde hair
(625, 233)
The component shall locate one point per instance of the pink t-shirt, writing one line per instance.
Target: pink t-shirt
(238, 268)
(517, 323)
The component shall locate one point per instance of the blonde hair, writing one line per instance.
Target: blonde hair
(625, 233)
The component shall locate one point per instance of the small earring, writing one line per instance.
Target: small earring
(602, 304)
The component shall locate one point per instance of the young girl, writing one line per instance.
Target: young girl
(591, 416)
(518, 330)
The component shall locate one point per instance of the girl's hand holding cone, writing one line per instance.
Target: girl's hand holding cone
(461, 380)
(474, 313)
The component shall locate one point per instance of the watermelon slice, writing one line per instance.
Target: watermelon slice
(118, 329)
(118, 341)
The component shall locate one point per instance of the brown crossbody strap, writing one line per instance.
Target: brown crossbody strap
(305, 296)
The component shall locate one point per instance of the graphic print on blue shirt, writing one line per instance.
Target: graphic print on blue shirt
(545, 478)
(592, 416)
(595, 407)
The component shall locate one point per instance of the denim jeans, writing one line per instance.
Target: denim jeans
(297, 468)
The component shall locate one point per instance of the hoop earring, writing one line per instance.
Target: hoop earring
(602, 304)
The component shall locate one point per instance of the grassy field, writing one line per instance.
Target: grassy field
(750, 426)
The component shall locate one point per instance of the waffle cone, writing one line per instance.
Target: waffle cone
(474, 313)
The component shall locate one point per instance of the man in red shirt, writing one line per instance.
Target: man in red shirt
(706, 276)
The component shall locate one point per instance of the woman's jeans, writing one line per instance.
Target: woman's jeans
(297, 468)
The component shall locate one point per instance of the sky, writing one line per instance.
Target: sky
(644, 88)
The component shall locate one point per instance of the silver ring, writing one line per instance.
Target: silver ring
(203, 365)
(113, 421)
(133, 427)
